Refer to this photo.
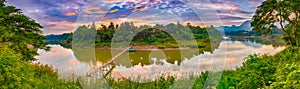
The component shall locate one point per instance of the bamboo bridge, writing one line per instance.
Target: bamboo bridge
(105, 69)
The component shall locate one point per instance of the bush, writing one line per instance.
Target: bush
(278, 71)
(16, 74)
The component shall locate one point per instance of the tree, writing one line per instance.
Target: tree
(111, 26)
(20, 33)
(19, 40)
(282, 12)
(2, 2)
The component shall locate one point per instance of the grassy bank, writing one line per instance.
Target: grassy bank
(279, 71)
(19, 74)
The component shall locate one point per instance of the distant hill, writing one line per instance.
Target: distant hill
(244, 29)
(56, 39)
(246, 26)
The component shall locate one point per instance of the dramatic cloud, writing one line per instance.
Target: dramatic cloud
(58, 16)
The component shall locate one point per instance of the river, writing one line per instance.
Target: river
(153, 64)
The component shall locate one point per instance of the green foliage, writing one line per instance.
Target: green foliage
(282, 12)
(19, 40)
(16, 73)
(21, 33)
(84, 35)
(279, 71)
(287, 77)
(161, 83)
(158, 35)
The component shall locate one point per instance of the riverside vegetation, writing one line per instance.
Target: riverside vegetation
(279, 71)
(18, 46)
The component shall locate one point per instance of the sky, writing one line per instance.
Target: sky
(63, 16)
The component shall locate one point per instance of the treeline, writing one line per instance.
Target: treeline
(157, 35)
(63, 39)
(55, 39)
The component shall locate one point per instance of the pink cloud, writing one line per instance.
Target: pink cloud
(58, 27)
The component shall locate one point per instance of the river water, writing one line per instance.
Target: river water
(151, 65)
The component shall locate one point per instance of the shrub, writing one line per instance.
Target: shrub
(16, 73)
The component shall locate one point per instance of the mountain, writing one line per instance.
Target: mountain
(245, 26)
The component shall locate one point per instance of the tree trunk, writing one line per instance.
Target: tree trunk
(295, 29)
(294, 25)
(282, 27)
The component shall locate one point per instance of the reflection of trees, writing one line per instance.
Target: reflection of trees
(125, 34)
(275, 42)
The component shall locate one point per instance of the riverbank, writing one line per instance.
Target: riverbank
(237, 48)
(273, 71)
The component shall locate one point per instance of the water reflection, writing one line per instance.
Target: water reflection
(63, 60)
(234, 51)
(66, 63)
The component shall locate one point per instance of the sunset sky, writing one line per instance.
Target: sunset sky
(61, 16)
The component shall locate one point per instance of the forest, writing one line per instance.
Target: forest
(159, 35)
